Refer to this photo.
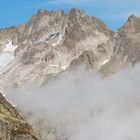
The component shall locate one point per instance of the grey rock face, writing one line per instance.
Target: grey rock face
(126, 48)
(48, 44)
(51, 42)
(12, 125)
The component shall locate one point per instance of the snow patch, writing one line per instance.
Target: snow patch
(64, 67)
(9, 47)
(52, 65)
(104, 62)
(58, 41)
(58, 66)
(7, 56)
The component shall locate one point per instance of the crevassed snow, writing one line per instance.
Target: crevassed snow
(6, 56)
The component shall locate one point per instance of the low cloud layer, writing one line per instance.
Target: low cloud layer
(81, 106)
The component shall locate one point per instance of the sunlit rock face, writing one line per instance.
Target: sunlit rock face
(51, 42)
(126, 47)
(48, 44)
(12, 125)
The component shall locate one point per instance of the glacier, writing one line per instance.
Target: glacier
(7, 56)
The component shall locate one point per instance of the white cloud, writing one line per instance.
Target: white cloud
(84, 107)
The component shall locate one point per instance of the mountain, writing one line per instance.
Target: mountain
(48, 44)
(53, 42)
(12, 125)
(126, 47)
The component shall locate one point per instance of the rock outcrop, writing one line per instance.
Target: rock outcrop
(12, 125)
(126, 48)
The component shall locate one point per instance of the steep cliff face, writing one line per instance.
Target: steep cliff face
(48, 44)
(12, 125)
(126, 48)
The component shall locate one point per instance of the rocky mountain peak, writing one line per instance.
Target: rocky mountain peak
(76, 12)
(51, 40)
(126, 46)
(133, 18)
(132, 25)
(41, 12)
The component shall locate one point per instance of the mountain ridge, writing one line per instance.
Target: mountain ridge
(55, 42)
(51, 40)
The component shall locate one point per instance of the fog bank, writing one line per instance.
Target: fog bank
(81, 106)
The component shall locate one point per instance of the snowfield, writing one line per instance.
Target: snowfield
(7, 56)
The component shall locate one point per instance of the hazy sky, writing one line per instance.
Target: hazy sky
(113, 12)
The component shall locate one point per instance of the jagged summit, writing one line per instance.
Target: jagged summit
(52, 40)
(51, 43)
(132, 25)
(77, 12)
(74, 11)
(132, 18)
(126, 46)
(48, 44)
